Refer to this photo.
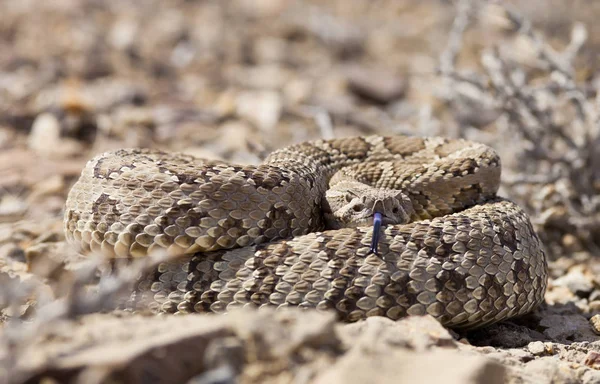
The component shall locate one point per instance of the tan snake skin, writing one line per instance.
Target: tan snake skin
(248, 233)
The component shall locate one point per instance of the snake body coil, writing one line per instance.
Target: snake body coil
(254, 235)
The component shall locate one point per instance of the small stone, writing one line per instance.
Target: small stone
(537, 348)
(123, 34)
(566, 327)
(592, 359)
(559, 295)
(595, 295)
(45, 138)
(594, 306)
(576, 282)
(45, 134)
(377, 85)
(297, 91)
(262, 108)
(12, 207)
(595, 323)
(571, 243)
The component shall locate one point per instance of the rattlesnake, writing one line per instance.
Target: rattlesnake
(255, 235)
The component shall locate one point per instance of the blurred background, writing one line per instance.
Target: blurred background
(235, 80)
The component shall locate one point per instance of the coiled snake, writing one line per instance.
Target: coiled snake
(255, 235)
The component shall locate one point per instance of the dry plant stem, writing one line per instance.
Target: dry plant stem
(464, 17)
(562, 149)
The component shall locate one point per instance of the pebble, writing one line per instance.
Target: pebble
(592, 359)
(576, 282)
(12, 207)
(537, 348)
(123, 34)
(595, 323)
(594, 306)
(566, 327)
(262, 108)
(377, 85)
(45, 134)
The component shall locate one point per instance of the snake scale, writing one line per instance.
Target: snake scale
(246, 235)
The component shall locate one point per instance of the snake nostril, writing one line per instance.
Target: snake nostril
(395, 210)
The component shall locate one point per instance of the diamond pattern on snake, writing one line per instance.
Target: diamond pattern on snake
(363, 226)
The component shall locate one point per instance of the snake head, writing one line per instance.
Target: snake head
(354, 204)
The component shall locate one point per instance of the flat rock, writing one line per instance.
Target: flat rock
(397, 366)
(418, 333)
(376, 84)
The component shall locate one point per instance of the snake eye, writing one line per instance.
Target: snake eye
(348, 198)
(358, 207)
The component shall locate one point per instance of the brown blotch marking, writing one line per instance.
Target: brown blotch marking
(275, 214)
(305, 154)
(72, 216)
(520, 266)
(507, 237)
(491, 282)
(399, 287)
(462, 167)
(403, 173)
(104, 198)
(190, 177)
(313, 152)
(203, 300)
(357, 172)
(448, 147)
(470, 194)
(263, 276)
(404, 146)
(457, 279)
(420, 203)
(431, 250)
(492, 158)
(193, 216)
(355, 148)
(265, 176)
(121, 154)
(186, 178)
(98, 169)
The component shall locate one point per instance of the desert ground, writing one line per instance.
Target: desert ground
(237, 80)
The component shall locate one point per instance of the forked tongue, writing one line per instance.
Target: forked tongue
(377, 218)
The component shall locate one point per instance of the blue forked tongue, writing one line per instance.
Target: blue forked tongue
(375, 239)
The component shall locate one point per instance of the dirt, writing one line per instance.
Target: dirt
(236, 80)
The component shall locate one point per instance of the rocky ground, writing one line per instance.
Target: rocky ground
(236, 80)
